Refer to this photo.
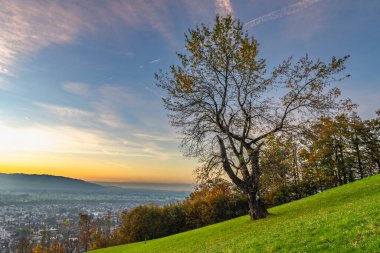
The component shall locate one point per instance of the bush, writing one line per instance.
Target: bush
(212, 202)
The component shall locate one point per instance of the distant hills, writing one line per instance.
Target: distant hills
(150, 186)
(56, 184)
(46, 183)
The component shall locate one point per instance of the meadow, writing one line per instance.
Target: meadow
(342, 219)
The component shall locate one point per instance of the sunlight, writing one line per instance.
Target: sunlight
(25, 139)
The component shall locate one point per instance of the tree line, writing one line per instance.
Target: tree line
(330, 152)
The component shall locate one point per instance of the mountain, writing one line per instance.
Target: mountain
(150, 186)
(45, 183)
(342, 219)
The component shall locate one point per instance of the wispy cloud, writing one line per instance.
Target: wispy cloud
(4, 70)
(63, 111)
(285, 11)
(80, 89)
(108, 116)
(3, 84)
(106, 107)
(154, 61)
(114, 124)
(40, 138)
(64, 139)
(102, 115)
(29, 26)
(224, 7)
(160, 138)
(145, 13)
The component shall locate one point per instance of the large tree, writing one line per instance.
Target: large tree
(226, 103)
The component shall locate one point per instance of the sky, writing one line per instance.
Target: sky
(77, 90)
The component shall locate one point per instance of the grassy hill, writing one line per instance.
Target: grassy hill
(343, 219)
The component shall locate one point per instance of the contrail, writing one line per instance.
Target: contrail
(286, 11)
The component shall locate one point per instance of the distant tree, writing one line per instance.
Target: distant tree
(24, 244)
(57, 247)
(65, 230)
(372, 141)
(45, 237)
(107, 225)
(213, 201)
(84, 230)
(150, 221)
(38, 248)
(330, 150)
(101, 232)
(277, 161)
(226, 104)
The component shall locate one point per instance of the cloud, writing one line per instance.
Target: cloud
(160, 138)
(60, 139)
(4, 70)
(285, 11)
(224, 7)
(80, 89)
(65, 112)
(3, 84)
(103, 115)
(118, 124)
(145, 13)
(154, 61)
(28, 26)
(107, 106)
(116, 95)
(108, 116)
(111, 98)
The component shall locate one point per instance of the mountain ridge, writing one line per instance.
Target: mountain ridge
(45, 182)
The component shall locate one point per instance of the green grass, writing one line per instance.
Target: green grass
(343, 219)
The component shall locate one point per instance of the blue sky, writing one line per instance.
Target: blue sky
(77, 93)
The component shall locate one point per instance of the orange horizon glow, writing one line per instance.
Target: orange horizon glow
(165, 179)
(88, 155)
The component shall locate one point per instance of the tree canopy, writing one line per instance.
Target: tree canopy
(226, 103)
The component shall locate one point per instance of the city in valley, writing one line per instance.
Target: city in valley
(32, 215)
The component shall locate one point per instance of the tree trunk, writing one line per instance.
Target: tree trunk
(378, 165)
(342, 164)
(257, 209)
(360, 165)
(251, 183)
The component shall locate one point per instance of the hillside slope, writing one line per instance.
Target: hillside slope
(343, 219)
